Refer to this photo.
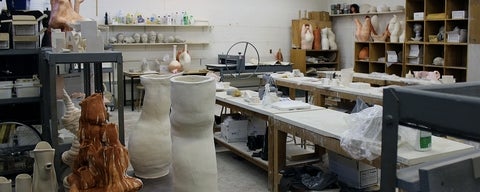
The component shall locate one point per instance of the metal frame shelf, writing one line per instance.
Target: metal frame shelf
(444, 109)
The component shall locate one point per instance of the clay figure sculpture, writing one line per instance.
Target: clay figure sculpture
(136, 37)
(144, 38)
(102, 161)
(317, 45)
(394, 28)
(44, 176)
(160, 38)
(120, 38)
(331, 39)
(184, 58)
(70, 121)
(325, 43)
(152, 37)
(417, 29)
(364, 30)
(279, 56)
(307, 37)
(62, 14)
(401, 38)
(375, 25)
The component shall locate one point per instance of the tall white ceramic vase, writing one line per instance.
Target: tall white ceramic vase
(44, 177)
(150, 144)
(193, 151)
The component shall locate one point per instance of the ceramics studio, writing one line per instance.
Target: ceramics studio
(149, 96)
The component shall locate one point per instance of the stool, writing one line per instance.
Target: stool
(141, 91)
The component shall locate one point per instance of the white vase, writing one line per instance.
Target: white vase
(149, 144)
(23, 183)
(193, 151)
(5, 184)
(44, 177)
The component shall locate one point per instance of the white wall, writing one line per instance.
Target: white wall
(265, 23)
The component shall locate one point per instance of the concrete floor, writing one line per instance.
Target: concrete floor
(234, 173)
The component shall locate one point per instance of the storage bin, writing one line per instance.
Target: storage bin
(6, 89)
(27, 88)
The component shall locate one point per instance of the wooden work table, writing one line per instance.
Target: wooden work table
(372, 95)
(238, 104)
(324, 128)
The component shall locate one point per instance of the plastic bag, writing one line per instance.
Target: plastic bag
(359, 105)
(268, 96)
(363, 138)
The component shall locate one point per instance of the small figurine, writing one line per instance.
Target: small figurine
(354, 8)
(144, 38)
(417, 28)
(152, 36)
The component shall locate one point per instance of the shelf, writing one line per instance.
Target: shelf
(20, 100)
(156, 25)
(13, 52)
(241, 149)
(323, 63)
(157, 44)
(363, 14)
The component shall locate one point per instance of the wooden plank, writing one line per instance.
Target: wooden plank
(474, 22)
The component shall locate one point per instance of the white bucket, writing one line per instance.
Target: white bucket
(347, 76)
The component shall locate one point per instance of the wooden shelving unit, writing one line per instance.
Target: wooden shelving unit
(299, 58)
(454, 53)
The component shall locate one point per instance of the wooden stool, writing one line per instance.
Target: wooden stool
(141, 91)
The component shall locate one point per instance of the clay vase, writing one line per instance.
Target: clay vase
(174, 66)
(317, 39)
(185, 59)
(149, 144)
(5, 184)
(44, 176)
(192, 117)
(23, 183)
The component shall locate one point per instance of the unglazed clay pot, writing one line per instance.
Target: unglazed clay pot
(149, 144)
(192, 117)
(5, 184)
(44, 176)
(23, 183)
(363, 54)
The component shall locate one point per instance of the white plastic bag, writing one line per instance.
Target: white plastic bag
(363, 138)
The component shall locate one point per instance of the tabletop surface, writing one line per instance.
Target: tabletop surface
(332, 123)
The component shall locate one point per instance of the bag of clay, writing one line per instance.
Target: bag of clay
(363, 138)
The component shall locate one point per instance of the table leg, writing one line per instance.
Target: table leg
(124, 92)
(291, 93)
(131, 93)
(279, 155)
(271, 158)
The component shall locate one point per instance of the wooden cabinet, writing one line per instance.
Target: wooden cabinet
(437, 15)
(375, 58)
(321, 60)
(419, 55)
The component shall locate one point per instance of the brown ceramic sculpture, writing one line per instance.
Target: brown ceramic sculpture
(102, 161)
(364, 30)
(63, 14)
(317, 39)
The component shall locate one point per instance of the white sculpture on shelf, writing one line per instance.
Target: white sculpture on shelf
(331, 40)
(417, 29)
(394, 29)
(306, 37)
(152, 37)
(324, 42)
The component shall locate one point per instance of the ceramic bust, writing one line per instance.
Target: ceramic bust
(120, 37)
(136, 37)
(417, 28)
(144, 38)
(306, 37)
(159, 38)
(152, 36)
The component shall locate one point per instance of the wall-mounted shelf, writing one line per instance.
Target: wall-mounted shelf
(155, 25)
(363, 14)
(158, 44)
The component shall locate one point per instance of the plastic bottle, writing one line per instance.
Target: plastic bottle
(185, 18)
(423, 141)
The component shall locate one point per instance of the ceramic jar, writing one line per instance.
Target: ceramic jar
(192, 117)
(149, 144)
(44, 176)
(23, 183)
(5, 184)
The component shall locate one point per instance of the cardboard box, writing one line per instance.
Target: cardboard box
(234, 130)
(459, 14)
(352, 172)
(319, 15)
(418, 16)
